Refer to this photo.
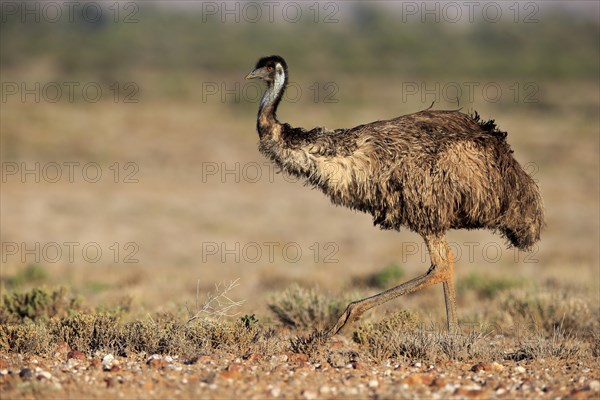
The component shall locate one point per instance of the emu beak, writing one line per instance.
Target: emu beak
(257, 73)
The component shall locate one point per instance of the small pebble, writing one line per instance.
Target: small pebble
(77, 355)
(26, 374)
(373, 383)
(519, 369)
(595, 386)
(43, 375)
(497, 367)
(107, 362)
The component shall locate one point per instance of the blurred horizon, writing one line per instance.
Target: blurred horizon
(387, 39)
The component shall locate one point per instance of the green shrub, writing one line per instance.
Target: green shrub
(32, 273)
(37, 304)
(485, 287)
(387, 277)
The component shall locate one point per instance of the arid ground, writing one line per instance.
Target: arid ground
(150, 251)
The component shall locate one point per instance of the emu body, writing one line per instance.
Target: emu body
(429, 171)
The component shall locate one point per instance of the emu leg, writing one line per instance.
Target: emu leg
(449, 293)
(440, 271)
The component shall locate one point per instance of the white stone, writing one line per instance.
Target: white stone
(44, 375)
(373, 383)
(153, 357)
(520, 369)
(108, 361)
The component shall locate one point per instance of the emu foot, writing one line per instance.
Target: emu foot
(351, 314)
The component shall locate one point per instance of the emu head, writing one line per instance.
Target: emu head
(269, 69)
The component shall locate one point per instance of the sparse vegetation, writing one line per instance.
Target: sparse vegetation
(559, 344)
(400, 337)
(306, 308)
(313, 345)
(403, 337)
(551, 311)
(34, 326)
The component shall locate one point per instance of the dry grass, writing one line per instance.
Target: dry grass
(303, 308)
(91, 331)
(550, 312)
(402, 337)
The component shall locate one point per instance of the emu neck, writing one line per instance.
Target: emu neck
(268, 125)
(267, 122)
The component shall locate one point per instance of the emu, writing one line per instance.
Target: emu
(430, 171)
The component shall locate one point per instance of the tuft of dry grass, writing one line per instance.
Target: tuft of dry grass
(385, 341)
(560, 345)
(313, 345)
(299, 307)
(550, 311)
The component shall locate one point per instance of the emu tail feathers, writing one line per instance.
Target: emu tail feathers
(488, 126)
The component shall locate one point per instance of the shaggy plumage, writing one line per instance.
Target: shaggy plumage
(429, 171)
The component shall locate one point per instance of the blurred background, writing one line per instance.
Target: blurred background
(129, 153)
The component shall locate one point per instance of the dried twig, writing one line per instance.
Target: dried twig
(218, 303)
